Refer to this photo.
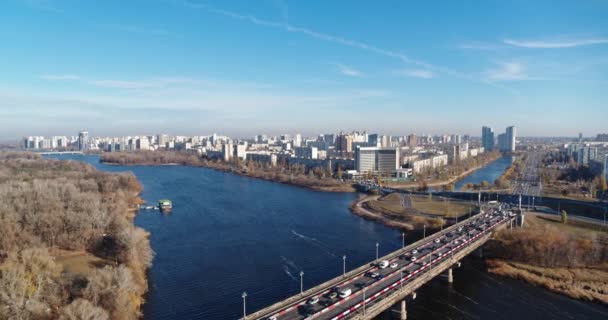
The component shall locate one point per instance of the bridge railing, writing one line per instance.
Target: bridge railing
(373, 310)
(321, 288)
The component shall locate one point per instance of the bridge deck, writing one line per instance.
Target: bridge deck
(432, 253)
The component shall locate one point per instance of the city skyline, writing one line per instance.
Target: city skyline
(243, 67)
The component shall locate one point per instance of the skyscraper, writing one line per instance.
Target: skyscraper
(487, 138)
(83, 140)
(511, 133)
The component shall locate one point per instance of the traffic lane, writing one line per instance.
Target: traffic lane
(301, 309)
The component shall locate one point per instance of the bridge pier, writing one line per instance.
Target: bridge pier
(402, 310)
(450, 276)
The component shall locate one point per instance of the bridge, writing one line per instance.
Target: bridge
(371, 289)
(48, 153)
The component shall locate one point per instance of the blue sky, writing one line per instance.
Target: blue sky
(273, 66)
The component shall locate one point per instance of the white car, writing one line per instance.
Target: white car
(394, 265)
(413, 258)
(272, 318)
(437, 240)
(383, 264)
(313, 300)
(345, 293)
(414, 251)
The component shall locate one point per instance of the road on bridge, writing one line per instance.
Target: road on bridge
(374, 283)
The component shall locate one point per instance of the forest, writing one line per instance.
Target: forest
(51, 206)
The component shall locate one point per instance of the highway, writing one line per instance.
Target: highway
(373, 283)
(529, 181)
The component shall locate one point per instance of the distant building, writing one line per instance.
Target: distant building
(585, 155)
(412, 140)
(602, 137)
(227, 151)
(263, 158)
(83, 140)
(511, 134)
(344, 143)
(306, 152)
(373, 140)
(487, 138)
(374, 159)
(606, 166)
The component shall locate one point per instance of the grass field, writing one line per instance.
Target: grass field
(79, 262)
(392, 204)
(573, 227)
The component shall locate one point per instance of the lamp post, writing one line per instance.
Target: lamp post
(377, 245)
(403, 240)
(424, 231)
(244, 296)
(301, 282)
(344, 266)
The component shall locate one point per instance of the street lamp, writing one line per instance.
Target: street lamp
(344, 266)
(301, 282)
(377, 245)
(244, 295)
(424, 231)
(403, 240)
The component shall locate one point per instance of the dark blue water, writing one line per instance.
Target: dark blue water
(229, 234)
(488, 173)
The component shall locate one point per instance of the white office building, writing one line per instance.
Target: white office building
(374, 159)
(306, 152)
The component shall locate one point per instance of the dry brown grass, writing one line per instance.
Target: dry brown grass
(79, 262)
(579, 283)
(391, 204)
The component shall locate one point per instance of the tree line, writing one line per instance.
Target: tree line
(50, 205)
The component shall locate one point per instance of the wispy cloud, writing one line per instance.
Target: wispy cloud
(54, 77)
(348, 70)
(121, 84)
(44, 5)
(423, 74)
(325, 37)
(549, 44)
(508, 71)
(138, 29)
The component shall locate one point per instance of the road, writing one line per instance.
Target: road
(373, 283)
(529, 181)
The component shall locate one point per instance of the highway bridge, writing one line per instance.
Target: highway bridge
(371, 289)
(47, 153)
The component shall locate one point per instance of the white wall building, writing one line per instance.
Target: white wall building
(373, 159)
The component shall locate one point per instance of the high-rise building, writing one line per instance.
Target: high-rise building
(606, 166)
(83, 140)
(373, 159)
(511, 133)
(373, 140)
(487, 138)
(297, 141)
(412, 140)
(344, 143)
(306, 152)
(585, 155)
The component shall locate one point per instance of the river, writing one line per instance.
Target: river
(488, 173)
(228, 234)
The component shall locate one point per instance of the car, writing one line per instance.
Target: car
(437, 240)
(332, 295)
(383, 264)
(414, 251)
(456, 242)
(374, 275)
(313, 300)
(345, 293)
(450, 234)
(413, 258)
(423, 263)
(394, 265)
(272, 318)
(459, 229)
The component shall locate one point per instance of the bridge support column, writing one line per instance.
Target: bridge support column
(450, 276)
(403, 313)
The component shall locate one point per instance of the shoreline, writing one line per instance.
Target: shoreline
(442, 183)
(357, 209)
(339, 187)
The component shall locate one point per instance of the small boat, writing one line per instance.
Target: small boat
(165, 206)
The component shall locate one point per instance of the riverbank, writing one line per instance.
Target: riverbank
(253, 170)
(570, 259)
(411, 213)
(68, 233)
(446, 183)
